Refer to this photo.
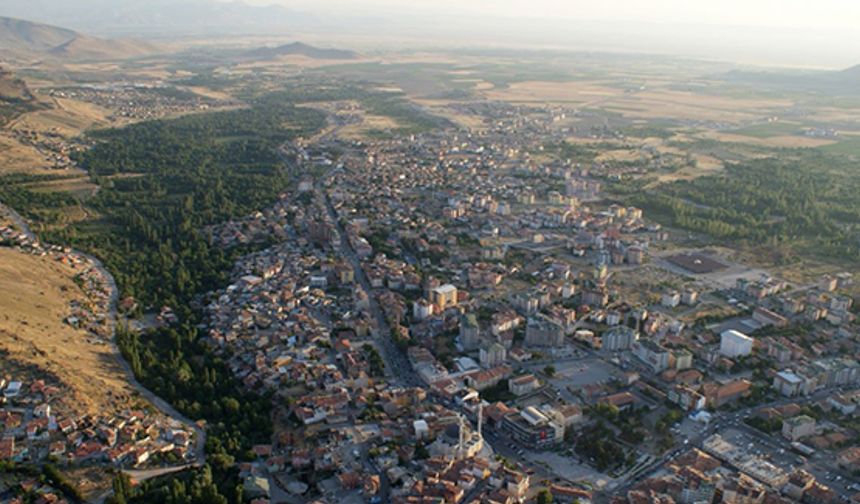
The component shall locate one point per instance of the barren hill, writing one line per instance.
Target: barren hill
(301, 49)
(13, 89)
(15, 97)
(25, 37)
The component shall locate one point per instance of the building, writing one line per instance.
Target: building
(766, 317)
(835, 372)
(533, 429)
(798, 427)
(788, 383)
(492, 356)
(652, 355)
(524, 384)
(543, 331)
(635, 255)
(484, 379)
(618, 338)
(422, 309)
(720, 395)
(470, 331)
(690, 297)
(422, 430)
(683, 359)
(670, 299)
(687, 398)
(444, 296)
(798, 482)
(735, 344)
(597, 297)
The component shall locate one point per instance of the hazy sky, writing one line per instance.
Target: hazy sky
(777, 13)
(803, 33)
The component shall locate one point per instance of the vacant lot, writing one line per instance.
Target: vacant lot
(36, 292)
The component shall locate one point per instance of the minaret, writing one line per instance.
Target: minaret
(461, 449)
(480, 419)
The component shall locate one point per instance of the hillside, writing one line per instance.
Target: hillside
(13, 89)
(852, 74)
(85, 47)
(159, 17)
(20, 35)
(39, 293)
(15, 97)
(301, 49)
(25, 37)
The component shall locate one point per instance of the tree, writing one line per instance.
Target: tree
(544, 497)
(549, 370)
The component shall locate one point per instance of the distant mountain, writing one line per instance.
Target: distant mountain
(158, 17)
(852, 73)
(301, 49)
(20, 35)
(25, 37)
(844, 83)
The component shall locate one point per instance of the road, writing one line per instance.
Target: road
(819, 465)
(163, 406)
(19, 221)
(395, 359)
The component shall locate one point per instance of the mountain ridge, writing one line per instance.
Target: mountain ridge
(31, 38)
(158, 17)
(301, 49)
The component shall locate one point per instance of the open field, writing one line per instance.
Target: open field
(442, 108)
(36, 296)
(850, 147)
(560, 92)
(79, 187)
(775, 141)
(370, 124)
(771, 129)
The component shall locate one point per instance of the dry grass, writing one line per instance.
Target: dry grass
(80, 187)
(369, 124)
(18, 158)
(621, 155)
(36, 292)
(776, 141)
(67, 117)
(585, 93)
(442, 108)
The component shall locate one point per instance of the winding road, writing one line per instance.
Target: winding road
(113, 319)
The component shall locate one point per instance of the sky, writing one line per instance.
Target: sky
(818, 14)
(821, 34)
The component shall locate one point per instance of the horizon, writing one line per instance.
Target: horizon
(763, 33)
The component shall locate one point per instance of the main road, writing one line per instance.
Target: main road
(395, 359)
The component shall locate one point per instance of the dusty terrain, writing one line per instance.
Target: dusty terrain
(36, 292)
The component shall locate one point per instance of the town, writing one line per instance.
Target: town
(445, 318)
(376, 252)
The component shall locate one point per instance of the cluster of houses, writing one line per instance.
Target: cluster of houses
(91, 313)
(38, 424)
(487, 266)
